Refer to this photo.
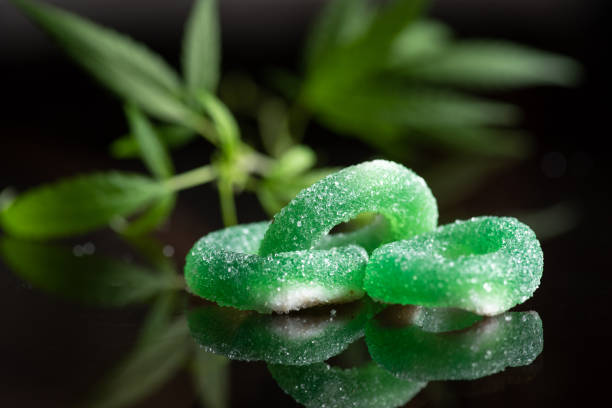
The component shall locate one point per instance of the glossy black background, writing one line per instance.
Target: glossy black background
(55, 122)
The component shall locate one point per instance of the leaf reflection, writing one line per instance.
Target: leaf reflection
(91, 279)
(210, 374)
(146, 368)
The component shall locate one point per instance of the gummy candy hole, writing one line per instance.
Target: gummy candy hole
(360, 221)
(457, 248)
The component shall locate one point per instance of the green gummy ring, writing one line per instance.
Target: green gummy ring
(410, 352)
(300, 338)
(485, 265)
(223, 267)
(388, 188)
(321, 385)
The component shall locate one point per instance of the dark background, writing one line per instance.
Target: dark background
(56, 122)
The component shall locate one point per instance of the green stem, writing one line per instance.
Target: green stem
(228, 206)
(191, 178)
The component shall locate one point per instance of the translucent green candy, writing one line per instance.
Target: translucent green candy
(485, 265)
(488, 347)
(223, 267)
(299, 338)
(320, 385)
(388, 188)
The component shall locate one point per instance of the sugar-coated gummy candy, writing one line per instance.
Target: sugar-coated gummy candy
(223, 267)
(321, 385)
(488, 347)
(485, 265)
(298, 338)
(380, 186)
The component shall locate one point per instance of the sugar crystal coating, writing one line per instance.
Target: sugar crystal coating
(223, 267)
(298, 338)
(488, 347)
(388, 188)
(485, 265)
(321, 385)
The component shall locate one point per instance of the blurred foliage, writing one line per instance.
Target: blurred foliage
(79, 204)
(88, 279)
(377, 71)
(387, 76)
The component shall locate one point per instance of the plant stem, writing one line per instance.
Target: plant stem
(228, 206)
(192, 178)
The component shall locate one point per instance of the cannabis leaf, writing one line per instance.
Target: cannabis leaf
(79, 204)
(118, 62)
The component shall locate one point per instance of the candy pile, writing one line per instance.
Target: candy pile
(485, 265)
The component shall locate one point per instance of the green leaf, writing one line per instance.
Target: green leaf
(211, 378)
(270, 202)
(495, 64)
(419, 41)
(152, 151)
(275, 193)
(151, 218)
(363, 57)
(201, 47)
(340, 22)
(88, 279)
(476, 139)
(273, 121)
(293, 162)
(225, 125)
(286, 178)
(390, 22)
(386, 101)
(119, 63)
(172, 136)
(382, 112)
(79, 204)
(420, 108)
(145, 370)
(7, 196)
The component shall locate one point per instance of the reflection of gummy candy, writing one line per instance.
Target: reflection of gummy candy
(320, 385)
(488, 347)
(388, 188)
(485, 265)
(222, 267)
(430, 319)
(294, 339)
